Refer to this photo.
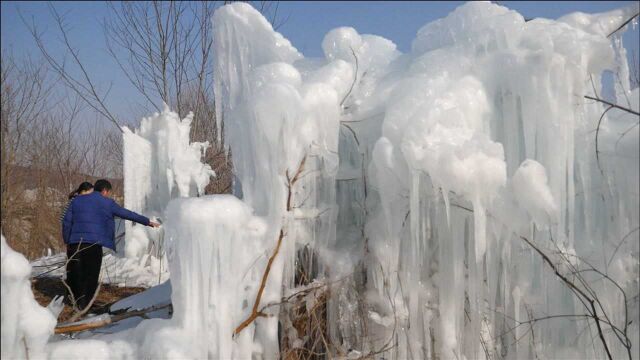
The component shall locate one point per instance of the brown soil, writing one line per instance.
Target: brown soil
(46, 288)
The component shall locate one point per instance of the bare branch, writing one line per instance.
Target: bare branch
(624, 24)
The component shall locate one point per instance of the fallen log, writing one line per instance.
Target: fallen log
(104, 321)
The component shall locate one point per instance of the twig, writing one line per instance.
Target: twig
(619, 244)
(577, 291)
(624, 24)
(355, 78)
(79, 314)
(255, 313)
(613, 105)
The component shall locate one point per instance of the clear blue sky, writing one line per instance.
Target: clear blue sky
(307, 24)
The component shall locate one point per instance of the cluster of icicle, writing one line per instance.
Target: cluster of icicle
(160, 164)
(428, 178)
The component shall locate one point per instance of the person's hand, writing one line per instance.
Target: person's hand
(154, 224)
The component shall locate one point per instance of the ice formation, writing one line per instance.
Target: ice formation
(26, 326)
(427, 171)
(159, 164)
(210, 296)
(424, 187)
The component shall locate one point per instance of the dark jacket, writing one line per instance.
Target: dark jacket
(89, 219)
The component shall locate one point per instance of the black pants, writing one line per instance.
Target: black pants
(83, 270)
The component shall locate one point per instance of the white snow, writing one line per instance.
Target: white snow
(146, 271)
(26, 326)
(530, 187)
(214, 243)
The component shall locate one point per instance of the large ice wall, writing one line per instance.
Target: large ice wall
(426, 171)
(160, 163)
(282, 130)
(26, 326)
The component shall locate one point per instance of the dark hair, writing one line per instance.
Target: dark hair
(102, 184)
(83, 187)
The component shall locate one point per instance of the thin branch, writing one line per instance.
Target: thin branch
(355, 78)
(597, 133)
(255, 313)
(624, 24)
(613, 105)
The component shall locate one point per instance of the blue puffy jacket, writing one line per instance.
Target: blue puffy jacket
(89, 219)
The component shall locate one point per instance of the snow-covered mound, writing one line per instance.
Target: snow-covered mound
(146, 271)
(26, 326)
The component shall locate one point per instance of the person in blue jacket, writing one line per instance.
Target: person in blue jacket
(87, 226)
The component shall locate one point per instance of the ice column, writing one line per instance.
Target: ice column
(159, 164)
(215, 246)
(281, 117)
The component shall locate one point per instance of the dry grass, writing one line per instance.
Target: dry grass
(46, 288)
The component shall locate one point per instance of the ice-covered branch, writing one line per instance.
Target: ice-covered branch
(255, 313)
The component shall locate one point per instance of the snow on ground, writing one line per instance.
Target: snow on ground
(26, 326)
(116, 270)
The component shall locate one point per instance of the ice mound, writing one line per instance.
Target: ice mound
(216, 254)
(26, 326)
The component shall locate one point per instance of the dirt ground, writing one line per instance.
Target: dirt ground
(46, 288)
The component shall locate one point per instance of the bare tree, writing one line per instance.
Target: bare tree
(165, 51)
(26, 89)
(48, 147)
(82, 83)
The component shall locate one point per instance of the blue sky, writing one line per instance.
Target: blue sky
(307, 24)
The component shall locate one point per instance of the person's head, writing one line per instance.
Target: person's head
(84, 188)
(103, 187)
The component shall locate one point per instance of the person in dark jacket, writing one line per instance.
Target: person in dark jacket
(88, 225)
(83, 189)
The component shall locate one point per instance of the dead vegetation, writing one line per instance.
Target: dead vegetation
(46, 288)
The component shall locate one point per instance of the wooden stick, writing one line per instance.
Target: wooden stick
(75, 327)
(263, 283)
